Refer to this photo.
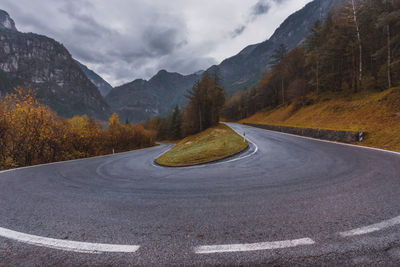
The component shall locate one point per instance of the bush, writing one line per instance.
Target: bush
(31, 133)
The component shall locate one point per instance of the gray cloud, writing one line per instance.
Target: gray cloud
(161, 41)
(238, 31)
(127, 39)
(260, 8)
(280, 1)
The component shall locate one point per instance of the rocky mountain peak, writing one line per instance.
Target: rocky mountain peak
(6, 21)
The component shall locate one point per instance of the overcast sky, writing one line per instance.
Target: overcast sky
(127, 39)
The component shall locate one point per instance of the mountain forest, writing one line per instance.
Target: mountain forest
(357, 48)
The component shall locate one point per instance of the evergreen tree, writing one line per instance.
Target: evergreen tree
(279, 54)
(206, 101)
(176, 124)
(313, 43)
(277, 57)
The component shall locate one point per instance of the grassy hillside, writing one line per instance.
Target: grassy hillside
(376, 113)
(212, 144)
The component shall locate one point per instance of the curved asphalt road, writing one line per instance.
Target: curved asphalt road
(292, 188)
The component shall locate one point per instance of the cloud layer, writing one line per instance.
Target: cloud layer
(127, 39)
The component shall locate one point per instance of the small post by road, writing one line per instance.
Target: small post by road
(244, 136)
(113, 151)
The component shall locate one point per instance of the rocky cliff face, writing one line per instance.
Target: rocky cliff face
(48, 67)
(103, 86)
(140, 100)
(6, 21)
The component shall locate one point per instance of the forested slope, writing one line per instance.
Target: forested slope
(357, 49)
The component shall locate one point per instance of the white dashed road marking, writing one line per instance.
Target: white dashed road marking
(371, 228)
(66, 245)
(253, 246)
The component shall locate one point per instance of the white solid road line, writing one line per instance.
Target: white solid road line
(253, 246)
(72, 160)
(159, 155)
(371, 228)
(328, 141)
(243, 157)
(66, 245)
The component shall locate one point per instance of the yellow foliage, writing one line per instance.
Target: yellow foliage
(30, 133)
(114, 120)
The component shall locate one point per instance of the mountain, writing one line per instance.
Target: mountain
(140, 100)
(48, 67)
(6, 22)
(246, 68)
(103, 86)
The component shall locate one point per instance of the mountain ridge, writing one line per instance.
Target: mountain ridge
(142, 99)
(47, 66)
(242, 70)
(6, 22)
(103, 86)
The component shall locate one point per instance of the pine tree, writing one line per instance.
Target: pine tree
(176, 123)
(206, 100)
(279, 54)
(313, 43)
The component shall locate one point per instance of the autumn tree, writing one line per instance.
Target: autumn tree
(357, 47)
(313, 45)
(388, 21)
(278, 55)
(84, 135)
(279, 68)
(32, 134)
(176, 123)
(206, 101)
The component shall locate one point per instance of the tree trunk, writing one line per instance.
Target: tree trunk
(317, 72)
(389, 57)
(200, 120)
(283, 93)
(359, 41)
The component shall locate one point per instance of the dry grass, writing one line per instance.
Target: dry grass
(210, 145)
(376, 113)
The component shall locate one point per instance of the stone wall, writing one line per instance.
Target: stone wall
(332, 135)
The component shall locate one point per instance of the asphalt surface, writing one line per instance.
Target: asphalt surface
(291, 188)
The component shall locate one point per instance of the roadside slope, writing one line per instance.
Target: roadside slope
(378, 114)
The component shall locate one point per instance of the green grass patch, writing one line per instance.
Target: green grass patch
(213, 144)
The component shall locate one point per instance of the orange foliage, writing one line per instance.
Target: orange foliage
(31, 133)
